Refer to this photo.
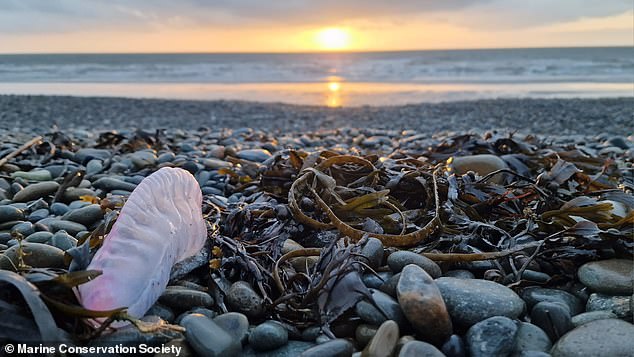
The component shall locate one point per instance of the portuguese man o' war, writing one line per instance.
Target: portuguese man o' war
(160, 224)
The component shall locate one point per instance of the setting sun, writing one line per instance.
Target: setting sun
(333, 38)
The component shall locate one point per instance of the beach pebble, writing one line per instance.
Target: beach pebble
(268, 336)
(161, 311)
(37, 255)
(214, 164)
(335, 348)
(418, 349)
(607, 337)
(63, 240)
(257, 155)
(244, 299)
(460, 274)
(388, 309)
(84, 154)
(38, 214)
(534, 295)
(530, 338)
(23, 228)
(87, 215)
(71, 228)
(59, 208)
(94, 167)
(376, 280)
(491, 337)
(110, 184)
(10, 213)
(182, 299)
(35, 175)
(364, 333)
(481, 164)
(586, 317)
(423, 304)
(39, 237)
(142, 159)
(621, 306)
(373, 251)
(74, 194)
(35, 191)
(235, 323)
(384, 341)
(454, 347)
(209, 339)
(554, 318)
(398, 260)
(612, 276)
(472, 300)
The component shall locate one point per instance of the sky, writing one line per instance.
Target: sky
(52, 26)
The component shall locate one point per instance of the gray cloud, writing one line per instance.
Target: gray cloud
(33, 16)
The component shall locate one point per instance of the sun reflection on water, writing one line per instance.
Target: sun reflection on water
(333, 96)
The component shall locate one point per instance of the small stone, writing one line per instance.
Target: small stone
(209, 339)
(71, 228)
(63, 240)
(384, 308)
(372, 250)
(454, 347)
(384, 341)
(268, 336)
(94, 167)
(586, 317)
(480, 164)
(59, 208)
(87, 215)
(376, 280)
(37, 255)
(608, 337)
(398, 260)
(472, 300)
(143, 159)
(612, 276)
(39, 237)
(530, 338)
(459, 274)
(35, 175)
(24, 228)
(621, 306)
(73, 194)
(491, 337)
(161, 311)
(235, 323)
(85, 154)
(554, 318)
(10, 213)
(243, 298)
(333, 348)
(38, 214)
(364, 334)
(389, 287)
(110, 184)
(257, 155)
(214, 164)
(423, 305)
(534, 295)
(418, 349)
(35, 191)
(182, 299)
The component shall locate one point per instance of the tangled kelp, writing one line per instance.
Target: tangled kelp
(551, 206)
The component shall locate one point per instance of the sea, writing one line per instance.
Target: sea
(331, 79)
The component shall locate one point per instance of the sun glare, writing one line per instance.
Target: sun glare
(333, 38)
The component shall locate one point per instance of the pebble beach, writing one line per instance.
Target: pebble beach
(544, 300)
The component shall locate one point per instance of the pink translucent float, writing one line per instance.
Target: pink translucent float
(160, 224)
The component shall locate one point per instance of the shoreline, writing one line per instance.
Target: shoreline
(573, 116)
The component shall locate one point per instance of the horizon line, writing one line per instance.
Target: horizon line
(312, 51)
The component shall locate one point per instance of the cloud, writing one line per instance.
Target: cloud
(33, 16)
